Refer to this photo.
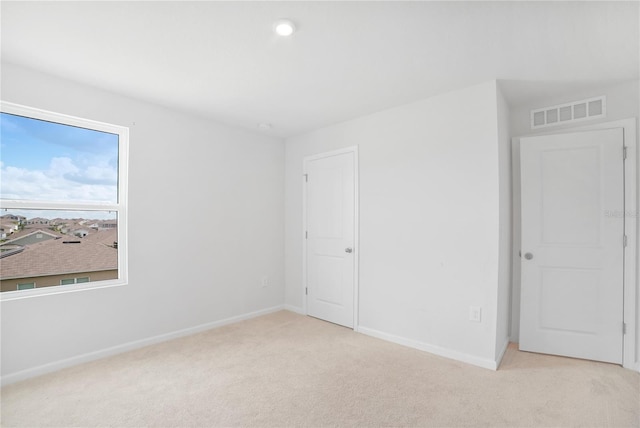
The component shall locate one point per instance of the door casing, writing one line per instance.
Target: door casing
(356, 261)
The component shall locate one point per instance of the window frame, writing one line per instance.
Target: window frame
(75, 280)
(119, 207)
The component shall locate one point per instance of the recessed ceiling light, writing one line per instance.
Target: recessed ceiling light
(284, 27)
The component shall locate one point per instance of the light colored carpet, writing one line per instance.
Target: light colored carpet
(288, 370)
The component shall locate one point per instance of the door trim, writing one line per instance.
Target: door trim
(356, 227)
(631, 303)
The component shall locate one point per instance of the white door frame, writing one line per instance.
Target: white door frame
(631, 304)
(356, 229)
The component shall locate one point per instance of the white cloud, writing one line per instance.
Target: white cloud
(93, 175)
(62, 181)
(61, 166)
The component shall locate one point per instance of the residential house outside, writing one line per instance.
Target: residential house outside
(18, 219)
(39, 221)
(107, 225)
(28, 237)
(60, 261)
(80, 233)
(7, 229)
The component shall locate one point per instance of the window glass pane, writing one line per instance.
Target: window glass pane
(55, 246)
(48, 161)
(67, 281)
(26, 286)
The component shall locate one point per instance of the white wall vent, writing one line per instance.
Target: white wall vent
(576, 111)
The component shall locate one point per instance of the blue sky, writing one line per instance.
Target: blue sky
(53, 162)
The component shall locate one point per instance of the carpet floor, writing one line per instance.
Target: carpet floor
(288, 370)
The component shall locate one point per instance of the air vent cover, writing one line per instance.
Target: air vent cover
(576, 111)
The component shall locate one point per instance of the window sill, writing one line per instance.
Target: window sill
(59, 289)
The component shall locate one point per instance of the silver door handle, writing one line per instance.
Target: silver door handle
(528, 256)
(348, 250)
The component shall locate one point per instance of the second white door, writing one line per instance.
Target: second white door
(330, 237)
(573, 244)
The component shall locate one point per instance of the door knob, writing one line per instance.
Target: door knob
(528, 256)
(348, 250)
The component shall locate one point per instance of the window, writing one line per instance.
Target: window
(74, 280)
(26, 286)
(63, 201)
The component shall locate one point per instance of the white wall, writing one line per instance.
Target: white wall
(505, 263)
(222, 186)
(623, 101)
(429, 220)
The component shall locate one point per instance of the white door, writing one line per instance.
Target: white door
(572, 244)
(330, 237)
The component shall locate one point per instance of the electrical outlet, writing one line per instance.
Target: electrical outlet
(475, 313)
(265, 281)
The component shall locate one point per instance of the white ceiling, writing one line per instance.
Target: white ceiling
(222, 60)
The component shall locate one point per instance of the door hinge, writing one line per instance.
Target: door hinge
(306, 177)
(624, 241)
(624, 152)
(624, 328)
(306, 235)
(306, 291)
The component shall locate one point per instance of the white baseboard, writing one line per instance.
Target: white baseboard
(91, 356)
(432, 349)
(294, 309)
